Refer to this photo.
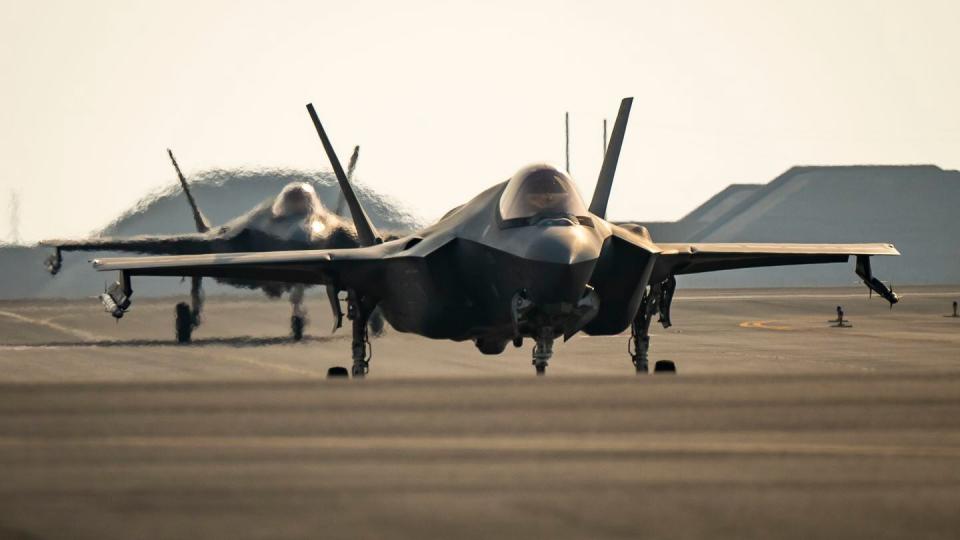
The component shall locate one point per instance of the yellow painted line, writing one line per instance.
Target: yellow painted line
(52, 325)
(765, 325)
(775, 296)
(273, 367)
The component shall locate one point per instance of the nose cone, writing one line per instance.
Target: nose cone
(561, 245)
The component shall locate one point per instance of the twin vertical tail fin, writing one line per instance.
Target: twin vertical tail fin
(351, 166)
(366, 232)
(601, 194)
(198, 218)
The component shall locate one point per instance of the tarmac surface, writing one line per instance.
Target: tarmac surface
(777, 425)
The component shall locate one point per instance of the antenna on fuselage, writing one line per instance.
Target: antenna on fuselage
(366, 232)
(566, 131)
(198, 218)
(601, 194)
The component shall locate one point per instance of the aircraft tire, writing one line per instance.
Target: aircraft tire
(297, 324)
(376, 323)
(338, 372)
(665, 366)
(184, 323)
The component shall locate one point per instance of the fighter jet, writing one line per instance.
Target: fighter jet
(294, 219)
(527, 258)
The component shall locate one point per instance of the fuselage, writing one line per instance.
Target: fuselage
(492, 275)
(294, 220)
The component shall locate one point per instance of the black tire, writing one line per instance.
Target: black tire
(338, 372)
(664, 366)
(491, 345)
(184, 323)
(376, 323)
(297, 324)
(518, 341)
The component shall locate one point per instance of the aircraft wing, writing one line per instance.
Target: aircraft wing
(697, 258)
(147, 244)
(300, 266)
(679, 259)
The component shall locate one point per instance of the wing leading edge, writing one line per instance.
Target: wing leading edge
(299, 266)
(679, 259)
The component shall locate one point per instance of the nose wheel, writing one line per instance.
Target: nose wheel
(542, 351)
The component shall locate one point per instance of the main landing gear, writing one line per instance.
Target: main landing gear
(298, 320)
(188, 315)
(358, 311)
(364, 318)
(656, 299)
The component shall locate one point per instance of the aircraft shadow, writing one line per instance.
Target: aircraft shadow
(235, 341)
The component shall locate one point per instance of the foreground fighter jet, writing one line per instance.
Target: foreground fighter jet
(295, 219)
(527, 258)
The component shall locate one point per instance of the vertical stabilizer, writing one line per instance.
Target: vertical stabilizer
(601, 194)
(341, 205)
(198, 218)
(366, 232)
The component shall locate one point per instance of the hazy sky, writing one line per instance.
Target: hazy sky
(447, 98)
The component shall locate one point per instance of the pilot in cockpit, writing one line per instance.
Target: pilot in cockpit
(296, 199)
(540, 191)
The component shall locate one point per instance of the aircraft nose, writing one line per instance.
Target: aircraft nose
(563, 245)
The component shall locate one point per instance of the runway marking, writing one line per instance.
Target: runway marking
(275, 367)
(764, 325)
(52, 325)
(805, 295)
(533, 444)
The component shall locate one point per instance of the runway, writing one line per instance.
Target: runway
(109, 430)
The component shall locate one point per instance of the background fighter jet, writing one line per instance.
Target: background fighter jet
(527, 258)
(295, 219)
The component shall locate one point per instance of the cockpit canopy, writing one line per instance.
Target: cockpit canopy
(296, 199)
(540, 191)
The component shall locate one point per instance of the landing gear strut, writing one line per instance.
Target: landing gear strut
(298, 320)
(656, 299)
(543, 350)
(639, 343)
(188, 317)
(358, 311)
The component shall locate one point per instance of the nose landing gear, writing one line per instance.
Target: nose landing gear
(543, 350)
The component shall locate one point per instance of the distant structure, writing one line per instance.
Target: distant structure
(910, 206)
(955, 314)
(14, 217)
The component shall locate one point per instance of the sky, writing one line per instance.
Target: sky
(447, 98)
